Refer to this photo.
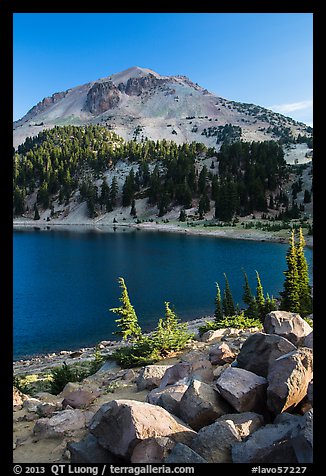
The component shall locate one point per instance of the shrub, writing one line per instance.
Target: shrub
(64, 374)
(239, 321)
(142, 352)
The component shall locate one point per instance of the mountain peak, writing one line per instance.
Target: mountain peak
(133, 72)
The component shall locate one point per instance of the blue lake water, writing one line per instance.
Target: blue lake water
(66, 281)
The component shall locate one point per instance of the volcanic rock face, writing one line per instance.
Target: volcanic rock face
(136, 86)
(43, 105)
(102, 97)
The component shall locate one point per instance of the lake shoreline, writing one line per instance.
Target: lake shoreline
(221, 232)
(39, 363)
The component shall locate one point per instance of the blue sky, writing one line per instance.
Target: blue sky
(260, 58)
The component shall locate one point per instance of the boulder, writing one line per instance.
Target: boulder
(221, 354)
(121, 424)
(259, 350)
(18, 398)
(201, 405)
(168, 398)
(219, 370)
(269, 444)
(79, 399)
(214, 442)
(46, 409)
(245, 423)
(288, 380)
(308, 341)
(213, 336)
(152, 450)
(183, 454)
(88, 450)
(150, 376)
(287, 324)
(302, 439)
(244, 390)
(62, 423)
(176, 373)
(202, 370)
(30, 404)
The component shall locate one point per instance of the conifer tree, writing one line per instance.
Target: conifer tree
(133, 211)
(290, 295)
(250, 300)
(270, 304)
(260, 299)
(36, 213)
(228, 303)
(218, 314)
(128, 322)
(114, 191)
(170, 334)
(183, 215)
(303, 277)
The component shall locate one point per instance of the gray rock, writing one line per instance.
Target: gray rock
(168, 398)
(244, 390)
(183, 454)
(88, 450)
(201, 405)
(79, 399)
(175, 373)
(214, 442)
(288, 380)
(121, 424)
(31, 404)
(245, 423)
(62, 423)
(260, 349)
(213, 336)
(308, 341)
(152, 450)
(46, 409)
(202, 370)
(287, 324)
(269, 444)
(221, 354)
(302, 440)
(150, 376)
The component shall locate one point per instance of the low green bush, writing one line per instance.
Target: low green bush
(64, 374)
(169, 336)
(238, 321)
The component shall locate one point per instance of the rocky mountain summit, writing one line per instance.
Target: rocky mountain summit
(141, 102)
(234, 396)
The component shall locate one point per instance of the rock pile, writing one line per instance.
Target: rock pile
(238, 397)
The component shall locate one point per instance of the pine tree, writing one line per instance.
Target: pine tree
(290, 296)
(128, 322)
(303, 277)
(114, 191)
(36, 213)
(218, 314)
(133, 211)
(183, 215)
(228, 303)
(170, 334)
(249, 299)
(247, 295)
(270, 304)
(260, 299)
